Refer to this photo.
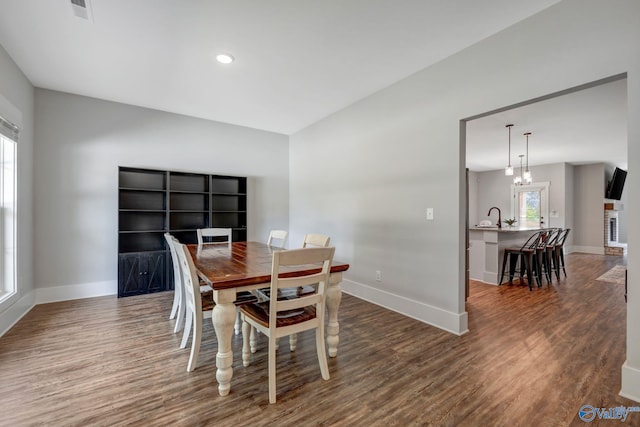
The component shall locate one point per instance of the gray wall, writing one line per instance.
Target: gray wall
(366, 174)
(588, 203)
(80, 142)
(575, 193)
(474, 213)
(16, 104)
(494, 189)
(569, 187)
(623, 219)
(555, 175)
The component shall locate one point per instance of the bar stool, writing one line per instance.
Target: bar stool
(525, 254)
(549, 260)
(544, 253)
(538, 257)
(558, 256)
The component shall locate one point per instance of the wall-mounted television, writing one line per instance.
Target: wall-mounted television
(616, 185)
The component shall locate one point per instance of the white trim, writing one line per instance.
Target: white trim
(630, 382)
(7, 299)
(78, 291)
(8, 216)
(598, 250)
(9, 112)
(455, 323)
(16, 311)
(543, 187)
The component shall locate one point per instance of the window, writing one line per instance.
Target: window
(529, 208)
(8, 150)
(530, 205)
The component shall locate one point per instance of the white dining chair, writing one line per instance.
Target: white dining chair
(315, 240)
(219, 234)
(197, 308)
(277, 238)
(178, 311)
(309, 241)
(277, 318)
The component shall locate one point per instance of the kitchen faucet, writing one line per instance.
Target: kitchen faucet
(499, 224)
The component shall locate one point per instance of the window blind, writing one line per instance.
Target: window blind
(8, 129)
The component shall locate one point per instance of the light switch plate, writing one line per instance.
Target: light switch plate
(430, 214)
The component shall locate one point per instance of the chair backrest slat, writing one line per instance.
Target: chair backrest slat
(533, 241)
(553, 239)
(317, 240)
(280, 236)
(563, 238)
(282, 261)
(214, 232)
(190, 280)
(177, 278)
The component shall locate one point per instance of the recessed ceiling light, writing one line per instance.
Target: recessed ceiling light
(224, 58)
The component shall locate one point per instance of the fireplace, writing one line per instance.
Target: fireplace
(611, 230)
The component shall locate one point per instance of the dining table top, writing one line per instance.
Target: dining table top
(224, 266)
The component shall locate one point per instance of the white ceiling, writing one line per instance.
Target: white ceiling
(586, 126)
(297, 61)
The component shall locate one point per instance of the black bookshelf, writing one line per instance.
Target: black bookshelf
(153, 202)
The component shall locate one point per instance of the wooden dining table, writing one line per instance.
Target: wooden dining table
(246, 266)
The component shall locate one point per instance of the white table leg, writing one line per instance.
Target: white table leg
(238, 325)
(334, 295)
(223, 318)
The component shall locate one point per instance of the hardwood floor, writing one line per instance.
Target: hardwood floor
(530, 358)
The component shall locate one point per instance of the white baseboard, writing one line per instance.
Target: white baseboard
(597, 250)
(70, 292)
(456, 323)
(16, 311)
(630, 382)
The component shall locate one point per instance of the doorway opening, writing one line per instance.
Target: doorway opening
(533, 205)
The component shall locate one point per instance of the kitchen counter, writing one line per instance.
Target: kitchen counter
(486, 249)
(506, 229)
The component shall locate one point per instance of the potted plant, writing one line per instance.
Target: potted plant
(510, 221)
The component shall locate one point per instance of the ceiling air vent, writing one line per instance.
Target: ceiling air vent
(82, 9)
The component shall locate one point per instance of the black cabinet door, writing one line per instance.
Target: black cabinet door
(155, 271)
(141, 273)
(129, 276)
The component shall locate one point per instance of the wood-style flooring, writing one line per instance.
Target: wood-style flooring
(530, 359)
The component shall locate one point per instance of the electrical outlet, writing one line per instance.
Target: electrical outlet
(378, 276)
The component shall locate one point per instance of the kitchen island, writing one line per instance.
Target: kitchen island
(486, 250)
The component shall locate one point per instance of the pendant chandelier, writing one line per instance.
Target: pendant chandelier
(508, 171)
(525, 175)
(518, 179)
(528, 179)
